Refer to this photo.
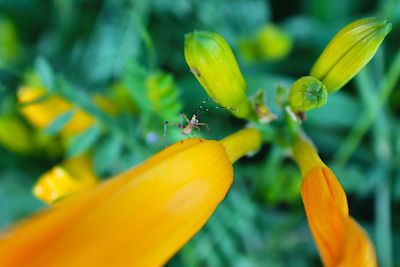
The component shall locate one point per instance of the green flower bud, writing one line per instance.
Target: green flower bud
(349, 51)
(212, 62)
(307, 93)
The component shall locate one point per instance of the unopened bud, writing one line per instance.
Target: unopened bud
(307, 93)
(212, 62)
(349, 51)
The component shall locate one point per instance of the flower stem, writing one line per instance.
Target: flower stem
(241, 143)
(306, 154)
(361, 127)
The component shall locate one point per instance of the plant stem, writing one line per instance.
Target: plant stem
(383, 154)
(366, 120)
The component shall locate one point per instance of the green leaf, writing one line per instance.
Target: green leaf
(59, 123)
(46, 73)
(83, 141)
(106, 153)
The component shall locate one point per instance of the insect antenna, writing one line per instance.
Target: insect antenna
(201, 110)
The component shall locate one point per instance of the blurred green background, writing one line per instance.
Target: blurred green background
(130, 54)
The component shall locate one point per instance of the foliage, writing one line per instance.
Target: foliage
(118, 60)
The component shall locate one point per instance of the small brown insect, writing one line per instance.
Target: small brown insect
(193, 123)
(186, 129)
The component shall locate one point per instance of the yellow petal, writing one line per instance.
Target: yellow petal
(139, 218)
(349, 51)
(105, 104)
(42, 113)
(72, 176)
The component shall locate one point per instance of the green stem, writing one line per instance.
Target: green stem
(383, 221)
(148, 42)
(361, 127)
(381, 170)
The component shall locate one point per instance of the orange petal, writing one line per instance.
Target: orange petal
(340, 240)
(139, 218)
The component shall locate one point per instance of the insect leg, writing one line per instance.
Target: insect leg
(186, 118)
(203, 124)
(165, 130)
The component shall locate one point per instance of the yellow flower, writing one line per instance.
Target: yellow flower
(212, 62)
(105, 104)
(41, 113)
(15, 135)
(273, 43)
(340, 240)
(349, 51)
(120, 95)
(141, 217)
(72, 176)
(269, 43)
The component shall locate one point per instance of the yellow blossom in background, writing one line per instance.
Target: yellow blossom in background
(18, 137)
(15, 135)
(121, 97)
(349, 51)
(214, 65)
(70, 177)
(42, 112)
(105, 104)
(141, 217)
(269, 43)
(116, 100)
(340, 240)
(272, 42)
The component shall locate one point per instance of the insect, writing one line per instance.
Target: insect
(192, 123)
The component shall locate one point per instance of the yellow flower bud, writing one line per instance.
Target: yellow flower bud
(72, 176)
(273, 43)
(307, 93)
(212, 62)
(349, 51)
